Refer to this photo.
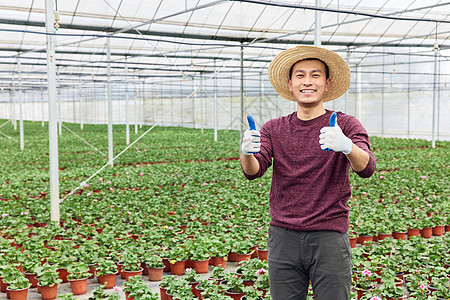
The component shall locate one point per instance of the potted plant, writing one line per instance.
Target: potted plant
(78, 277)
(135, 288)
(48, 281)
(364, 281)
(99, 293)
(106, 271)
(218, 274)
(177, 258)
(233, 286)
(192, 278)
(67, 296)
(131, 264)
(18, 285)
(252, 293)
(155, 267)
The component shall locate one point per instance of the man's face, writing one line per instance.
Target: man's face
(308, 82)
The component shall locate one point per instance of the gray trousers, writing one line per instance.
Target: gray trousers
(297, 258)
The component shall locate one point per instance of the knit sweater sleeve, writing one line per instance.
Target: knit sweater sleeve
(354, 130)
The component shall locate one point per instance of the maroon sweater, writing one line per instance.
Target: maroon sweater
(310, 187)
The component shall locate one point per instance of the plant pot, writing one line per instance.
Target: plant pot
(438, 230)
(163, 293)
(92, 270)
(201, 266)
(413, 232)
(254, 252)
(78, 286)
(362, 239)
(108, 279)
(360, 292)
(248, 282)
(219, 261)
(32, 279)
(232, 256)
(18, 294)
(262, 254)
(382, 236)
(189, 263)
(243, 257)
(155, 274)
(166, 265)
(399, 235)
(63, 273)
(127, 274)
(195, 292)
(426, 232)
(235, 296)
(48, 292)
(144, 269)
(178, 267)
(3, 285)
(127, 296)
(353, 240)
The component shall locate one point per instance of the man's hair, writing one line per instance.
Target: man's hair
(327, 71)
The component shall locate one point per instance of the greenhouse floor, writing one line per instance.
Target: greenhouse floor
(64, 288)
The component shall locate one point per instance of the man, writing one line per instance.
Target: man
(308, 234)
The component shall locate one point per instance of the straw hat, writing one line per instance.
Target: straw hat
(282, 63)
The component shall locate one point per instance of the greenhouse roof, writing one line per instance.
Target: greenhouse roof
(161, 38)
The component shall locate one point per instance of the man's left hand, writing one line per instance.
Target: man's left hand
(333, 138)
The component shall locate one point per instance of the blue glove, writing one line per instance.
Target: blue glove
(251, 141)
(332, 138)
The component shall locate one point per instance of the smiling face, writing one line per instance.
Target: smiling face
(309, 82)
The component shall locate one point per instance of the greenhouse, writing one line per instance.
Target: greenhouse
(121, 123)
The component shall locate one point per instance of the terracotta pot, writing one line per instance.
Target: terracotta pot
(155, 274)
(360, 293)
(189, 263)
(426, 232)
(262, 254)
(353, 241)
(78, 286)
(242, 257)
(254, 253)
(178, 267)
(108, 279)
(382, 236)
(127, 274)
(163, 293)
(32, 279)
(438, 230)
(232, 256)
(201, 266)
(3, 285)
(362, 239)
(413, 232)
(63, 273)
(399, 235)
(48, 292)
(92, 270)
(166, 265)
(195, 292)
(447, 228)
(219, 261)
(18, 294)
(199, 293)
(127, 296)
(249, 282)
(235, 296)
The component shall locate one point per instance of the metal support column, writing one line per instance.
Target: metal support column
(52, 122)
(318, 25)
(434, 119)
(242, 97)
(127, 126)
(20, 96)
(109, 96)
(216, 109)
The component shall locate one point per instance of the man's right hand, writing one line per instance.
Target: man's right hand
(251, 142)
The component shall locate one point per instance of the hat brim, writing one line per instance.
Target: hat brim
(281, 64)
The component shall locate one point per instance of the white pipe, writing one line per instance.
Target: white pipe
(318, 25)
(109, 95)
(52, 123)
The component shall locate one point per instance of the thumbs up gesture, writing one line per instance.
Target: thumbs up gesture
(251, 142)
(332, 138)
